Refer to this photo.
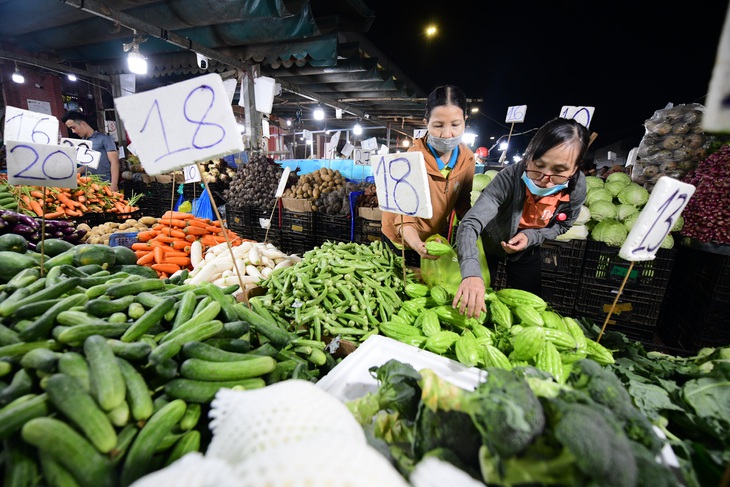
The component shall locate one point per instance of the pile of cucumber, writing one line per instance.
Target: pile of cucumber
(107, 372)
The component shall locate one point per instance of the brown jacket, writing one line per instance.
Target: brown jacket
(446, 195)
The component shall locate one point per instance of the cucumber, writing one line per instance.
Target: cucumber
(21, 469)
(191, 417)
(272, 331)
(146, 321)
(41, 359)
(104, 307)
(72, 335)
(17, 413)
(207, 313)
(75, 365)
(170, 348)
(133, 352)
(22, 279)
(77, 405)
(189, 442)
(125, 437)
(66, 257)
(149, 300)
(8, 336)
(139, 456)
(225, 300)
(71, 271)
(235, 329)
(138, 396)
(52, 292)
(119, 416)
(31, 310)
(194, 368)
(139, 270)
(20, 349)
(90, 269)
(41, 327)
(134, 287)
(13, 263)
(118, 317)
(54, 473)
(59, 440)
(186, 306)
(105, 376)
(206, 351)
(136, 311)
(167, 442)
(203, 391)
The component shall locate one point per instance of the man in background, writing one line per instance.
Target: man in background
(108, 168)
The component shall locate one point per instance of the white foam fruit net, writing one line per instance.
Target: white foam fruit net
(192, 470)
(433, 472)
(248, 422)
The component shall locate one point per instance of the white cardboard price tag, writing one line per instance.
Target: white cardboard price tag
(181, 123)
(84, 155)
(370, 144)
(401, 183)
(361, 157)
(516, 114)
(584, 115)
(41, 164)
(666, 202)
(282, 182)
(191, 173)
(26, 126)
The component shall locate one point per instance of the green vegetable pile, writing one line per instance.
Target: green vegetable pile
(516, 427)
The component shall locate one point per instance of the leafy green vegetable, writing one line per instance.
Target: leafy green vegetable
(602, 210)
(610, 232)
(634, 194)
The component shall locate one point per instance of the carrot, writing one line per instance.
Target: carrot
(176, 215)
(170, 252)
(70, 212)
(66, 200)
(141, 246)
(174, 222)
(55, 214)
(82, 208)
(191, 238)
(194, 222)
(158, 255)
(166, 268)
(172, 232)
(213, 229)
(216, 223)
(108, 190)
(167, 239)
(192, 230)
(146, 235)
(180, 245)
(146, 259)
(212, 240)
(36, 206)
(37, 194)
(180, 261)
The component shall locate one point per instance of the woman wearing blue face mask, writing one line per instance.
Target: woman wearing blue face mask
(536, 199)
(450, 169)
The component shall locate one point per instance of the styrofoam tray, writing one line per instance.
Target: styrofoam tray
(351, 379)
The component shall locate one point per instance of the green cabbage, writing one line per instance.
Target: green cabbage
(678, 224)
(583, 217)
(602, 210)
(630, 220)
(600, 194)
(593, 182)
(634, 194)
(668, 242)
(611, 232)
(475, 196)
(625, 211)
(480, 181)
(492, 173)
(576, 232)
(620, 177)
(615, 187)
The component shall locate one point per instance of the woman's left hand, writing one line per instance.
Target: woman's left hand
(515, 244)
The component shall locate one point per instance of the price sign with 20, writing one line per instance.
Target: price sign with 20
(401, 183)
(182, 123)
(41, 164)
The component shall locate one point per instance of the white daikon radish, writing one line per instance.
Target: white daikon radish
(208, 270)
(266, 262)
(284, 263)
(266, 272)
(252, 270)
(254, 256)
(196, 253)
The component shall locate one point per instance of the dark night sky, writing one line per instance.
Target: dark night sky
(625, 58)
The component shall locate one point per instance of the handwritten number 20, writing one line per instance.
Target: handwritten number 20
(27, 172)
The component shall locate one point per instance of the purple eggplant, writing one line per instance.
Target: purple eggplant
(24, 230)
(3, 225)
(10, 217)
(31, 245)
(29, 221)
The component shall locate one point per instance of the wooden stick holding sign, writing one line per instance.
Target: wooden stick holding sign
(401, 183)
(38, 165)
(515, 114)
(666, 203)
(279, 193)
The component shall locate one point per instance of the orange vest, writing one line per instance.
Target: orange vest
(537, 213)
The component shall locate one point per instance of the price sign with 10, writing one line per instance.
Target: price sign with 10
(191, 173)
(184, 122)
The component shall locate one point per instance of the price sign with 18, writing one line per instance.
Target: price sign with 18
(401, 183)
(177, 124)
(41, 164)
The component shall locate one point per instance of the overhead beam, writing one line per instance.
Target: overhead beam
(61, 68)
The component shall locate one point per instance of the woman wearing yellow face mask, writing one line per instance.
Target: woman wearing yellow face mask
(450, 170)
(534, 200)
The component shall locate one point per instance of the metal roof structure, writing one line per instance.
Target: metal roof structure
(316, 50)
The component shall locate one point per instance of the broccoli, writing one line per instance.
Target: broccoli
(651, 472)
(605, 388)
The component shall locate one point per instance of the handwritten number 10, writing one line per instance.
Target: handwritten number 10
(673, 204)
(201, 124)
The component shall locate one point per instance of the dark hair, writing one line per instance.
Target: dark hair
(74, 115)
(445, 95)
(556, 132)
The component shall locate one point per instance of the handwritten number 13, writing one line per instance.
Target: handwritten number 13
(673, 204)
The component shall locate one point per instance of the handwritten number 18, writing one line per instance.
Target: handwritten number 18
(401, 182)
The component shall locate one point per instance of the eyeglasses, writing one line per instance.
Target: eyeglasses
(553, 178)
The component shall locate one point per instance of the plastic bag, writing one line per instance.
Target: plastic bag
(445, 270)
(202, 207)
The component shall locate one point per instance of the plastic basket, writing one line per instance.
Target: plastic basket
(332, 227)
(563, 257)
(560, 291)
(122, 239)
(238, 218)
(295, 242)
(369, 230)
(299, 222)
(604, 266)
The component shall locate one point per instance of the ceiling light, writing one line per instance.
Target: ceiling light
(17, 77)
(406, 142)
(71, 77)
(136, 62)
(357, 129)
(318, 113)
(288, 122)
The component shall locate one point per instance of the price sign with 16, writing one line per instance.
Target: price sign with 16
(175, 125)
(41, 164)
(401, 183)
(26, 126)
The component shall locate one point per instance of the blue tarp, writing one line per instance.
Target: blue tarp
(346, 167)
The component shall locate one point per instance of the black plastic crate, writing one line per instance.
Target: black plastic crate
(332, 227)
(299, 222)
(563, 257)
(293, 242)
(258, 213)
(635, 308)
(560, 291)
(272, 235)
(238, 218)
(604, 266)
(369, 230)
(708, 271)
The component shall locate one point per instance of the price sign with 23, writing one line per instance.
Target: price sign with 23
(181, 123)
(84, 155)
(41, 164)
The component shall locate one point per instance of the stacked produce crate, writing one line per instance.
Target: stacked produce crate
(696, 307)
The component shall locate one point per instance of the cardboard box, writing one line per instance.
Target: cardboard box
(296, 204)
(374, 214)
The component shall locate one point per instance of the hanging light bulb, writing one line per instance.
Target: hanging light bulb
(17, 77)
(71, 77)
(406, 142)
(357, 129)
(136, 62)
(318, 113)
